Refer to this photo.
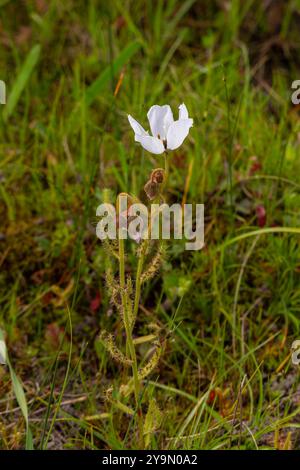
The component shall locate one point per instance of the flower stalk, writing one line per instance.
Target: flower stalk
(129, 339)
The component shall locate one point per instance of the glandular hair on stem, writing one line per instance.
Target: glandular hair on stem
(153, 265)
(108, 342)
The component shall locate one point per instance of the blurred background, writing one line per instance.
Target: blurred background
(73, 71)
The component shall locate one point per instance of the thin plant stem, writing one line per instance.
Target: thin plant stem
(129, 340)
(166, 169)
(142, 253)
(230, 145)
(130, 319)
(138, 284)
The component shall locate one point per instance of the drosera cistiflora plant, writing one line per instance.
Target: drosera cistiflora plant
(126, 292)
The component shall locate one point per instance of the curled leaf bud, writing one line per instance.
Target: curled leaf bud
(152, 187)
(157, 175)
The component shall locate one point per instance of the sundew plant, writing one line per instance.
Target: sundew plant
(125, 291)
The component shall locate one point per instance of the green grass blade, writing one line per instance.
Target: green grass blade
(19, 393)
(97, 86)
(171, 25)
(268, 230)
(65, 383)
(21, 80)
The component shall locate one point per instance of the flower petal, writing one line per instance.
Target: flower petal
(160, 118)
(152, 144)
(177, 133)
(183, 112)
(138, 129)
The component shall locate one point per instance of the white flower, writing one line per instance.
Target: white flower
(167, 134)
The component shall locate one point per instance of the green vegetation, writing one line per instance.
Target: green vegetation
(226, 315)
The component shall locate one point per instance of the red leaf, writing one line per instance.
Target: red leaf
(95, 303)
(255, 165)
(211, 397)
(261, 215)
(53, 335)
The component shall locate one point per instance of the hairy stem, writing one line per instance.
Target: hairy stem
(138, 284)
(129, 340)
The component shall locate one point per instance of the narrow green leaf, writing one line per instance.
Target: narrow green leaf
(21, 399)
(19, 394)
(171, 25)
(268, 230)
(21, 80)
(97, 86)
